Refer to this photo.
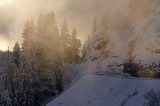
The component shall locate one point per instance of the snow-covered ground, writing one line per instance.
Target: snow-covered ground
(103, 90)
(91, 86)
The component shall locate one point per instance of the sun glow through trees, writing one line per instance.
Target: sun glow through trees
(3, 44)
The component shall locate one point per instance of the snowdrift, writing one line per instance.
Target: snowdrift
(95, 90)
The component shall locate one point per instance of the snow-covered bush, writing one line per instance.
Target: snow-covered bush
(5, 99)
(153, 98)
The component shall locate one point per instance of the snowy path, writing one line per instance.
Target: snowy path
(106, 90)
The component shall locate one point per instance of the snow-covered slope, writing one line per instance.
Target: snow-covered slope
(107, 90)
(121, 31)
(97, 90)
(148, 34)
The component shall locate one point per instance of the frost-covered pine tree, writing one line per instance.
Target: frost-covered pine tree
(5, 99)
(48, 41)
(94, 28)
(24, 79)
(7, 75)
(29, 40)
(16, 54)
(76, 44)
(66, 42)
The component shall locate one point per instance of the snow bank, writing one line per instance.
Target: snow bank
(94, 90)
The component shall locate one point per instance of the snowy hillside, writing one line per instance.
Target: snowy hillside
(114, 41)
(97, 90)
(112, 90)
(147, 32)
(118, 34)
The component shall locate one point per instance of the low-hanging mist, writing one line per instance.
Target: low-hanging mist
(14, 13)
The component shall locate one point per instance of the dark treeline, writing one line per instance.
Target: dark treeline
(34, 72)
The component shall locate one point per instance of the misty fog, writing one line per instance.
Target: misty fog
(14, 13)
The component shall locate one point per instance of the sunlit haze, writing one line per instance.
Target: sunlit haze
(79, 14)
(3, 44)
(80, 52)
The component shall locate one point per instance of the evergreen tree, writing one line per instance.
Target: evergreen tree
(129, 65)
(52, 28)
(7, 76)
(84, 52)
(24, 79)
(29, 32)
(48, 44)
(16, 54)
(131, 49)
(94, 28)
(74, 33)
(30, 38)
(88, 40)
(104, 24)
(66, 42)
(64, 29)
(76, 43)
(59, 78)
(47, 27)
(5, 99)
(49, 56)
(131, 46)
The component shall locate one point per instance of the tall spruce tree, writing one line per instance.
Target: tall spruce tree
(23, 79)
(76, 44)
(48, 43)
(66, 42)
(94, 28)
(24, 93)
(29, 40)
(7, 74)
(16, 54)
(49, 54)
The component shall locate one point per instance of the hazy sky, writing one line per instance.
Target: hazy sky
(79, 13)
